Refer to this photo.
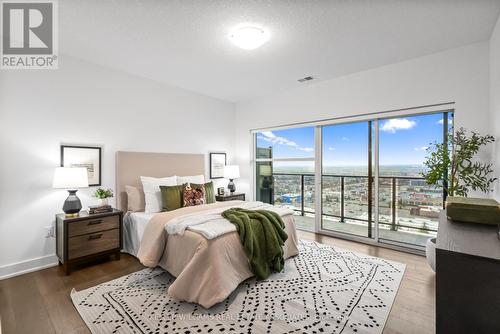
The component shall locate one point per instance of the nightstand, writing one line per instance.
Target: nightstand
(230, 197)
(87, 237)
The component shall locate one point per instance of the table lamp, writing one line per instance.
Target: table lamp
(70, 178)
(231, 172)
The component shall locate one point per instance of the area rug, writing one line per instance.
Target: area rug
(322, 290)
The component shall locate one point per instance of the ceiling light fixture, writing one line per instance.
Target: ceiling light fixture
(249, 37)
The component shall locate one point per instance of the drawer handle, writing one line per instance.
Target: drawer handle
(94, 222)
(95, 236)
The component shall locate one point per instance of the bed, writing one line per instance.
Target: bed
(206, 270)
(134, 224)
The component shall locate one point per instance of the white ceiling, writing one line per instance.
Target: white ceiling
(184, 43)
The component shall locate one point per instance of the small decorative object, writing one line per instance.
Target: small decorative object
(94, 209)
(430, 252)
(473, 210)
(231, 172)
(102, 196)
(83, 156)
(217, 163)
(71, 179)
(455, 167)
(220, 191)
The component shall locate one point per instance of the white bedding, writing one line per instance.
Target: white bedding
(134, 224)
(211, 224)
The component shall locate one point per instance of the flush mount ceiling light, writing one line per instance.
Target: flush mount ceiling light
(249, 37)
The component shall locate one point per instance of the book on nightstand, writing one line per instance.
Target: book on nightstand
(93, 209)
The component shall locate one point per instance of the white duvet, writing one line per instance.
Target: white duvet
(211, 224)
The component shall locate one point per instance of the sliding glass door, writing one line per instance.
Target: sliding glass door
(369, 183)
(408, 207)
(347, 193)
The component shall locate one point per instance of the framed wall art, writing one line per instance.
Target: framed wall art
(83, 156)
(217, 164)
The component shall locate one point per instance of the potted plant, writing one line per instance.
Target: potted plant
(102, 196)
(454, 167)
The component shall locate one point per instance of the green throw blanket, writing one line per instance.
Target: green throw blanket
(263, 236)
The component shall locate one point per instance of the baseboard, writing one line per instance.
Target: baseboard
(24, 267)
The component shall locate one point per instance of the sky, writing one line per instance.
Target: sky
(403, 141)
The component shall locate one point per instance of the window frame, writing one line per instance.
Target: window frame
(375, 118)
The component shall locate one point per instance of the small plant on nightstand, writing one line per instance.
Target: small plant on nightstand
(102, 195)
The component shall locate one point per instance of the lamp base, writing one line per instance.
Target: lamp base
(231, 186)
(72, 205)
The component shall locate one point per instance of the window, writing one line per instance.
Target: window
(350, 154)
(285, 163)
(346, 192)
(408, 207)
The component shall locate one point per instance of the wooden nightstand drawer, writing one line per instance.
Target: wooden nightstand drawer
(93, 243)
(93, 225)
(88, 236)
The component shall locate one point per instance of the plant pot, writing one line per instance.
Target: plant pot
(430, 252)
(102, 201)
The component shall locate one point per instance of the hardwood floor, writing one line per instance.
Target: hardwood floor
(39, 302)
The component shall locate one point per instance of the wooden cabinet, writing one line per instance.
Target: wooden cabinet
(87, 236)
(230, 197)
(467, 278)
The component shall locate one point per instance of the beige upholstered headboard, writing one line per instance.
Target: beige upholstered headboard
(131, 165)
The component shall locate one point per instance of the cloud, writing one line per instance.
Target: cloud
(306, 149)
(331, 148)
(345, 139)
(440, 122)
(422, 148)
(395, 124)
(270, 137)
(268, 134)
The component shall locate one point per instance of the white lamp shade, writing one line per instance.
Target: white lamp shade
(70, 178)
(232, 172)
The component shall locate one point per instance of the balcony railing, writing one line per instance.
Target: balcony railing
(420, 203)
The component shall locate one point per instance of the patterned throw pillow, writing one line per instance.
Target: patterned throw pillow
(209, 191)
(193, 196)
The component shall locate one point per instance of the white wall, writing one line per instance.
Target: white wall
(85, 104)
(459, 75)
(495, 100)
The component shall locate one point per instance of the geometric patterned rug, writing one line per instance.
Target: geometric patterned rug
(322, 290)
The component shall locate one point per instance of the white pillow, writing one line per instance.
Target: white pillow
(152, 193)
(196, 179)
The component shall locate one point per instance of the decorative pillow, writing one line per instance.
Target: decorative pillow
(171, 197)
(152, 194)
(193, 196)
(135, 199)
(190, 179)
(209, 191)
